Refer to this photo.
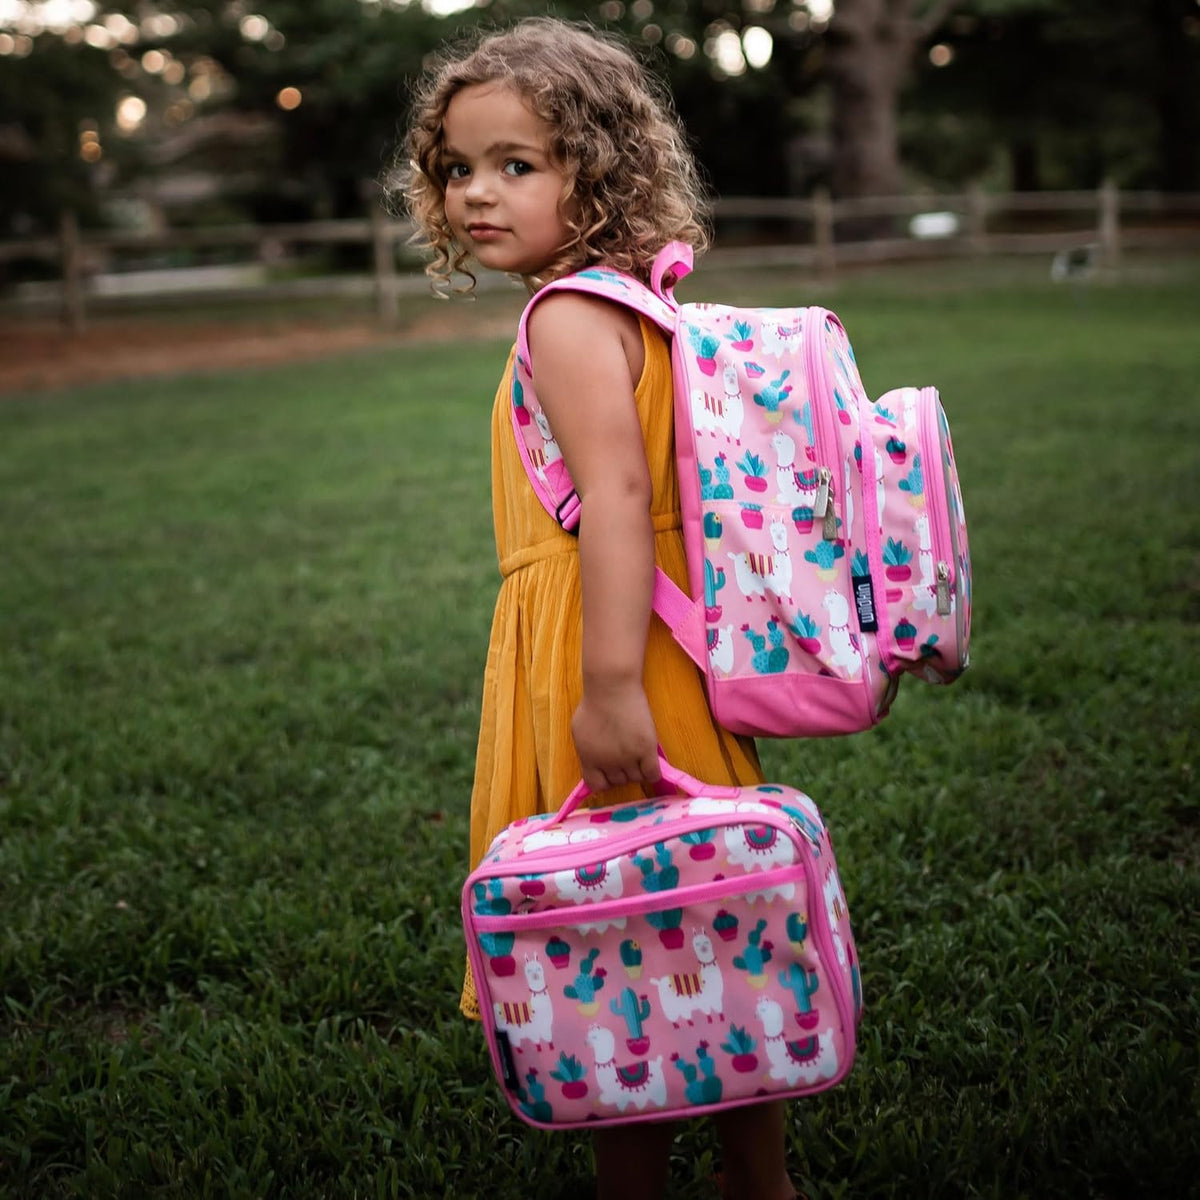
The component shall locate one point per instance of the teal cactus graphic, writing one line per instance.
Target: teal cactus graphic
(896, 449)
(587, 983)
(896, 553)
(712, 527)
(806, 631)
(490, 901)
(700, 843)
(572, 1074)
(753, 467)
(704, 344)
(722, 489)
(914, 482)
(703, 1085)
(714, 581)
(632, 1009)
(631, 958)
(801, 983)
(754, 958)
(860, 564)
(885, 415)
(773, 395)
(804, 419)
(797, 929)
(661, 875)
(929, 648)
(764, 661)
(825, 555)
(905, 633)
(741, 1045)
(531, 1099)
(740, 336)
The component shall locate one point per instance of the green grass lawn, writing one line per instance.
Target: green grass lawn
(242, 623)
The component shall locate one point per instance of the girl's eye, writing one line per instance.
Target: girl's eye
(516, 166)
(456, 171)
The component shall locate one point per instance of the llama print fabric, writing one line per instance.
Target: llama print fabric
(665, 958)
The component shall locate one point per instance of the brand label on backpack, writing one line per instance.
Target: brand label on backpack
(508, 1067)
(864, 601)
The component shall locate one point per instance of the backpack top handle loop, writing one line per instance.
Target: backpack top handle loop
(674, 259)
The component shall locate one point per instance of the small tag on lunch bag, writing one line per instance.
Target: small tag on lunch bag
(508, 1067)
(864, 601)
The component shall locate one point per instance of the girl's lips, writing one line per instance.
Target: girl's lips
(484, 233)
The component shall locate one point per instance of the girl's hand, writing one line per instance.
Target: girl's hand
(615, 737)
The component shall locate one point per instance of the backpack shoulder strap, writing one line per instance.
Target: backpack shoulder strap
(540, 455)
(539, 452)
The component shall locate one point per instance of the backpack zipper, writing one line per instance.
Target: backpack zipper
(826, 438)
(935, 494)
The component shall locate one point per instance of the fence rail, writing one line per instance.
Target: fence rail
(815, 232)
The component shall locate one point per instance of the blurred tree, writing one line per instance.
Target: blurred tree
(53, 100)
(1070, 91)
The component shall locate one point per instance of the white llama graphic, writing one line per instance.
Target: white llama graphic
(590, 883)
(758, 573)
(720, 414)
(700, 991)
(835, 906)
(558, 837)
(720, 649)
(806, 1061)
(528, 1020)
(549, 453)
(840, 640)
(639, 1084)
(758, 847)
(925, 589)
(781, 336)
(787, 478)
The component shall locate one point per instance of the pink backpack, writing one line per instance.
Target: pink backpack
(825, 537)
(664, 958)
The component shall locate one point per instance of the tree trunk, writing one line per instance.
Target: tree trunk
(870, 43)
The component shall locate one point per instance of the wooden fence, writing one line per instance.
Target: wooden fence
(816, 233)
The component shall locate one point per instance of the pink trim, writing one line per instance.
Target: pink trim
(697, 1110)
(931, 439)
(884, 642)
(777, 705)
(631, 906)
(682, 782)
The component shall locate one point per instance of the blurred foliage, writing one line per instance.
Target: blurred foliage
(1055, 93)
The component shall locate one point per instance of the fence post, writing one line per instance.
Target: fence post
(72, 272)
(1109, 231)
(977, 213)
(823, 231)
(384, 252)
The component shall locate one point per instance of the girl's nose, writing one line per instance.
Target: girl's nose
(479, 189)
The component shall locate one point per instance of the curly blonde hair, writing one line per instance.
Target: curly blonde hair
(632, 184)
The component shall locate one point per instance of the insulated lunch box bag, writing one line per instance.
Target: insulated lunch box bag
(663, 958)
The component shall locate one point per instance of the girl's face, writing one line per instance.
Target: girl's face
(503, 191)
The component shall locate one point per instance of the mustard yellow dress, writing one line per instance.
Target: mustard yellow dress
(526, 760)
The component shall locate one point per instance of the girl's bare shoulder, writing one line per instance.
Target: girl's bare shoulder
(576, 327)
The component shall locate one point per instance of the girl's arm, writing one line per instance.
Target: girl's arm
(589, 356)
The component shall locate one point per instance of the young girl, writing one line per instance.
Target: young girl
(536, 152)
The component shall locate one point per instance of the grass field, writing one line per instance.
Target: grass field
(242, 621)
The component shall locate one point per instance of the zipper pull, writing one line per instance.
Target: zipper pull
(942, 587)
(823, 507)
